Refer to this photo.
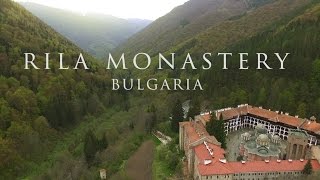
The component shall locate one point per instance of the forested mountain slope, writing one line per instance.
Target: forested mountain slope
(97, 34)
(230, 32)
(280, 26)
(34, 104)
(293, 90)
(241, 27)
(184, 22)
(284, 26)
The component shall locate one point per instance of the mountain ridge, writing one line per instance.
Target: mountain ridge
(184, 22)
(95, 33)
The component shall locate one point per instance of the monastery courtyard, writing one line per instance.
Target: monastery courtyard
(233, 140)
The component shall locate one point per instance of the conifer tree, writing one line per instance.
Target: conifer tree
(307, 168)
(194, 109)
(177, 116)
(91, 146)
(301, 110)
(103, 143)
(216, 128)
(153, 111)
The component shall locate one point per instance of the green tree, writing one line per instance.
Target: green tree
(10, 159)
(216, 128)
(27, 140)
(151, 118)
(5, 111)
(262, 97)
(103, 143)
(307, 168)
(42, 126)
(24, 100)
(286, 101)
(239, 158)
(172, 159)
(315, 75)
(94, 104)
(177, 116)
(194, 109)
(90, 146)
(302, 110)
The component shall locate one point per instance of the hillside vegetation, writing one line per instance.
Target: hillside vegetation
(281, 26)
(36, 106)
(293, 90)
(184, 22)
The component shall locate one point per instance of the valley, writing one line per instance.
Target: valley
(101, 36)
(69, 124)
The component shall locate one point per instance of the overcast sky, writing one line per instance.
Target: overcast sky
(143, 9)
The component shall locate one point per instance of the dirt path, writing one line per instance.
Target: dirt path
(139, 165)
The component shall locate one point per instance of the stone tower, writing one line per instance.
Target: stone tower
(297, 145)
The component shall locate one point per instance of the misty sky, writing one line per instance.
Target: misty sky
(143, 9)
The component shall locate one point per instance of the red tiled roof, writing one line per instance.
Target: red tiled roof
(203, 154)
(271, 116)
(216, 168)
(234, 112)
(272, 166)
(195, 131)
(254, 166)
(290, 120)
(311, 126)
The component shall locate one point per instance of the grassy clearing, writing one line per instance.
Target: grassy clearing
(160, 168)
